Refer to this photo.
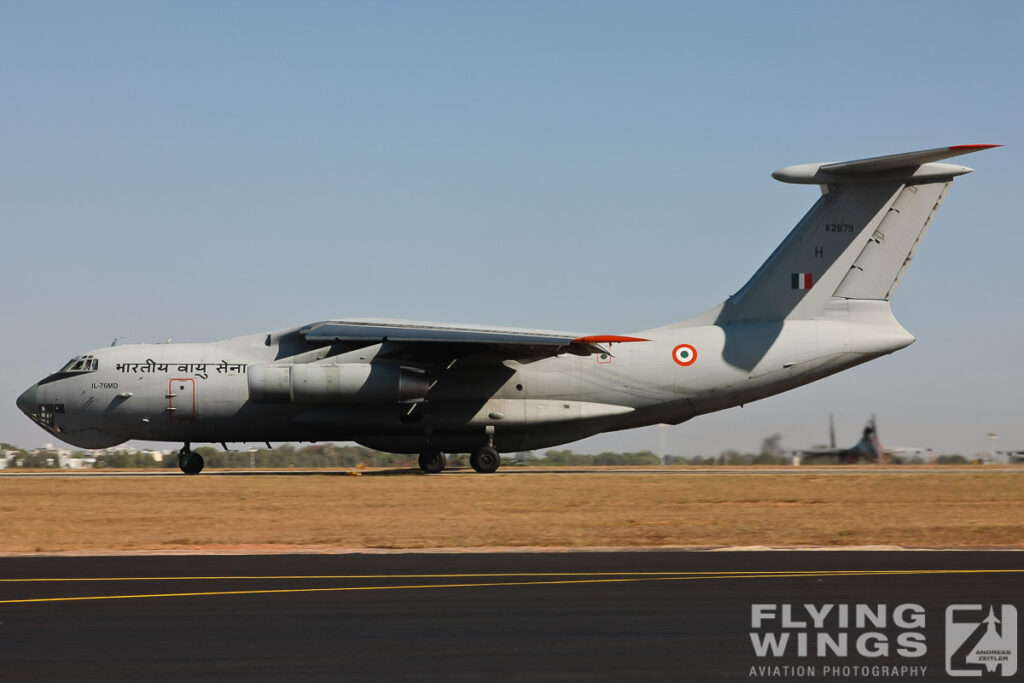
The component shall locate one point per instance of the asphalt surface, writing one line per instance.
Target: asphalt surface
(636, 616)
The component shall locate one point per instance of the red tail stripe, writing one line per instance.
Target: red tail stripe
(605, 338)
(959, 147)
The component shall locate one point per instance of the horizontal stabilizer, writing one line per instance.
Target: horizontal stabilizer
(917, 166)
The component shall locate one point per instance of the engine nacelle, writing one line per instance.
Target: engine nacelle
(334, 383)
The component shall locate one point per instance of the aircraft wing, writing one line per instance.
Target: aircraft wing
(413, 338)
(820, 451)
(906, 451)
(812, 453)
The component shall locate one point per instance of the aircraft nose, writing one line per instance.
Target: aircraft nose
(27, 401)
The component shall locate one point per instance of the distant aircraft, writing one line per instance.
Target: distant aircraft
(817, 306)
(868, 449)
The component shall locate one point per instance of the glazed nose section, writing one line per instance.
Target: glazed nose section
(27, 401)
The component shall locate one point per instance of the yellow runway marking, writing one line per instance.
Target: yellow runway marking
(669, 574)
(543, 579)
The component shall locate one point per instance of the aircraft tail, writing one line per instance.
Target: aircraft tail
(868, 449)
(871, 443)
(883, 455)
(856, 241)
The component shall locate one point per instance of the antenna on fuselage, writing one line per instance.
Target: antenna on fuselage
(114, 343)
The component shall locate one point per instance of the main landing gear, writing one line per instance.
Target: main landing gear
(432, 462)
(189, 461)
(484, 460)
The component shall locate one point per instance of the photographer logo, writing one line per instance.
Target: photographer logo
(981, 640)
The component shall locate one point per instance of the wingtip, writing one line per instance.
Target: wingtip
(962, 148)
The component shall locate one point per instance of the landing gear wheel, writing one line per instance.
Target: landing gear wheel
(432, 462)
(485, 460)
(190, 462)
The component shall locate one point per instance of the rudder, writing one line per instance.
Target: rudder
(881, 264)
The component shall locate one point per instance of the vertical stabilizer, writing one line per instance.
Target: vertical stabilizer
(856, 241)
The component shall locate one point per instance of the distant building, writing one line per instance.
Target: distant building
(77, 463)
(6, 457)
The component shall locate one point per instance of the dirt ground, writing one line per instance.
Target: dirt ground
(574, 510)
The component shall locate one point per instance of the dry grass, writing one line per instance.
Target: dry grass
(473, 511)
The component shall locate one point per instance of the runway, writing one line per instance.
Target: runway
(558, 616)
(513, 471)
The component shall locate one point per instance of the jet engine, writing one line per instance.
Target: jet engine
(335, 383)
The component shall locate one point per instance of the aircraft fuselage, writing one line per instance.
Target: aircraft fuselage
(206, 392)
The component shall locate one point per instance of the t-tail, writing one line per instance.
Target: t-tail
(855, 243)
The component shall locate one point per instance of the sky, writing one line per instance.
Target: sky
(200, 170)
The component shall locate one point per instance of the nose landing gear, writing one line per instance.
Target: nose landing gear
(189, 461)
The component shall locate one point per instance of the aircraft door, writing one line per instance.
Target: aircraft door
(181, 399)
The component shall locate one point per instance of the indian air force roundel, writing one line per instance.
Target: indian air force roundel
(684, 354)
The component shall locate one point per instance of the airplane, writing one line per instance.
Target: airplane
(820, 304)
(868, 449)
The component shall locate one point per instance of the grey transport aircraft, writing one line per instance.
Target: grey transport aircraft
(818, 305)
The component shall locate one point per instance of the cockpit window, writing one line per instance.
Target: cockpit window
(80, 364)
